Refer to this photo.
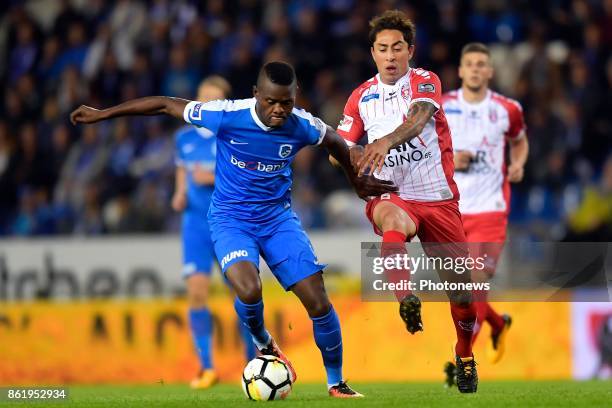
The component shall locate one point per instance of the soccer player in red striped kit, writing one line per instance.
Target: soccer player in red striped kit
(483, 122)
(409, 143)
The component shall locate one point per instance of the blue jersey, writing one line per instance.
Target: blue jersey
(196, 147)
(253, 174)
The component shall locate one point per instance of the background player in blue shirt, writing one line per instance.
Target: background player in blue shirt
(196, 150)
(250, 213)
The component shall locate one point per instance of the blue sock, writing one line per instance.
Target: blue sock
(200, 322)
(251, 316)
(247, 339)
(328, 337)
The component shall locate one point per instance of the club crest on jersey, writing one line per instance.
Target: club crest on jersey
(285, 150)
(370, 97)
(493, 115)
(405, 91)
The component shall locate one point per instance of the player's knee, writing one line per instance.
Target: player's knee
(319, 308)
(197, 300)
(197, 290)
(397, 220)
(249, 291)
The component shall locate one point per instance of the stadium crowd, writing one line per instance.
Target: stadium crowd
(117, 177)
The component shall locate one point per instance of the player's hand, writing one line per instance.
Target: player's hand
(179, 201)
(356, 152)
(369, 186)
(86, 114)
(374, 156)
(515, 173)
(462, 160)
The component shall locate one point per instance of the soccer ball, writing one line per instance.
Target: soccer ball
(266, 378)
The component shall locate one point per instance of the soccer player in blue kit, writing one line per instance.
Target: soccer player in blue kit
(196, 149)
(250, 213)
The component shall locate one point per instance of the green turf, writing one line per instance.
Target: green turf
(490, 394)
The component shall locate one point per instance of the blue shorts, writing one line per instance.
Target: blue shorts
(198, 250)
(282, 243)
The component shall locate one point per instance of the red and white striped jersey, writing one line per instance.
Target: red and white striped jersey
(422, 168)
(482, 128)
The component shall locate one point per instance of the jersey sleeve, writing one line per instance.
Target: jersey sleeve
(516, 125)
(426, 87)
(351, 126)
(207, 115)
(313, 127)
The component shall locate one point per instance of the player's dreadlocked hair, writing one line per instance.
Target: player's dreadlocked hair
(278, 72)
(392, 20)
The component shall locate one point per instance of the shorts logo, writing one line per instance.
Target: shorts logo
(370, 97)
(285, 150)
(426, 88)
(466, 325)
(241, 253)
(346, 123)
(196, 113)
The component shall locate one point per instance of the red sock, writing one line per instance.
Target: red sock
(481, 315)
(494, 319)
(464, 318)
(394, 242)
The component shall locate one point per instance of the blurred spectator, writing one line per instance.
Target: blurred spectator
(122, 152)
(592, 219)
(84, 164)
(24, 54)
(8, 181)
(181, 79)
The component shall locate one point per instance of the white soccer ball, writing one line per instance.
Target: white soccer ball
(266, 378)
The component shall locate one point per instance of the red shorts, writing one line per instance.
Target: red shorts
(485, 227)
(488, 231)
(435, 222)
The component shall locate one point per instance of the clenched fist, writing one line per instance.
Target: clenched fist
(86, 114)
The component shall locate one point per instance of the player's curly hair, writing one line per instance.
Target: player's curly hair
(392, 20)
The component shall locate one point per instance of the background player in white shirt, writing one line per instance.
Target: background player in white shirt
(409, 143)
(482, 122)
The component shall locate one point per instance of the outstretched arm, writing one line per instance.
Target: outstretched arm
(365, 186)
(519, 150)
(151, 105)
(374, 154)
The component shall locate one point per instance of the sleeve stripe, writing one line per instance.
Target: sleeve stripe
(434, 103)
(314, 122)
(322, 132)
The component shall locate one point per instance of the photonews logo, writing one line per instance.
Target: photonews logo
(257, 165)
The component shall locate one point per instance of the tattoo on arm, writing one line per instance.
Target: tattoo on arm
(418, 115)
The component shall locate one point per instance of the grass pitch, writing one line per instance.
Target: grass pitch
(490, 394)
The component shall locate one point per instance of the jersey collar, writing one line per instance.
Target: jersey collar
(256, 118)
(462, 100)
(397, 83)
